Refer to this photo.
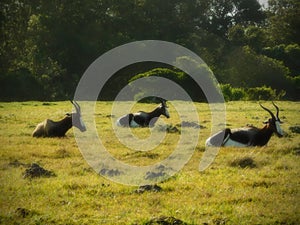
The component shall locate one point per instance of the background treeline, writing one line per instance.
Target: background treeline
(46, 46)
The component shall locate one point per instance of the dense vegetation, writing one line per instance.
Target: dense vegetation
(47, 45)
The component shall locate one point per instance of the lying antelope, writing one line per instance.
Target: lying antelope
(249, 135)
(144, 119)
(50, 128)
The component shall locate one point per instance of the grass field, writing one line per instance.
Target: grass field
(258, 185)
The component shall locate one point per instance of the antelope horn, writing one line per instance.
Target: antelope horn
(277, 110)
(269, 111)
(77, 107)
(163, 102)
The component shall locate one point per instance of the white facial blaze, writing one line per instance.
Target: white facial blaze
(81, 123)
(278, 128)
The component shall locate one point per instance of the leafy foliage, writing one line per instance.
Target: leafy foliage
(232, 94)
(56, 41)
(178, 76)
(257, 93)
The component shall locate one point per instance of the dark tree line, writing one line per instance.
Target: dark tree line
(47, 45)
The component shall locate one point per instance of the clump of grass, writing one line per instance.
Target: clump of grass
(17, 163)
(110, 172)
(169, 128)
(62, 153)
(48, 103)
(244, 162)
(35, 170)
(165, 220)
(296, 151)
(295, 129)
(23, 212)
(151, 188)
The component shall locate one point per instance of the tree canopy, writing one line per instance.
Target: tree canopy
(47, 45)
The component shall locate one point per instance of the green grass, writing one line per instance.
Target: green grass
(265, 192)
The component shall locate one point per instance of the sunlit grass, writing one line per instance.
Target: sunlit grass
(267, 192)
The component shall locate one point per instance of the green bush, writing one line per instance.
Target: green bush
(175, 75)
(238, 94)
(232, 94)
(261, 93)
(258, 93)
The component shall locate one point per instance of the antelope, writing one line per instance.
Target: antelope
(144, 119)
(50, 128)
(249, 135)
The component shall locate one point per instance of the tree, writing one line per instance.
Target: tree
(288, 54)
(176, 75)
(284, 21)
(248, 12)
(53, 42)
(224, 14)
(14, 16)
(245, 68)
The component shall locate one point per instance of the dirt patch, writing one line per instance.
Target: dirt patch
(17, 163)
(295, 129)
(22, 212)
(165, 220)
(169, 128)
(155, 175)
(148, 187)
(35, 170)
(110, 172)
(190, 124)
(48, 103)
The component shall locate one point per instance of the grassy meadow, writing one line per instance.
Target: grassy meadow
(257, 185)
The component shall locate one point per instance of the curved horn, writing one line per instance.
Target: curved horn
(163, 102)
(277, 110)
(269, 111)
(77, 107)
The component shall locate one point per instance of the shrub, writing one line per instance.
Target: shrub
(176, 75)
(258, 93)
(261, 93)
(232, 94)
(238, 94)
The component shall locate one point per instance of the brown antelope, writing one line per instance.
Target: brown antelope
(249, 135)
(50, 128)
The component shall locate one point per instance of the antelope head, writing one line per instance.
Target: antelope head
(274, 122)
(76, 117)
(164, 108)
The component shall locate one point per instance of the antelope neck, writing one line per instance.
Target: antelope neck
(264, 135)
(155, 113)
(66, 123)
